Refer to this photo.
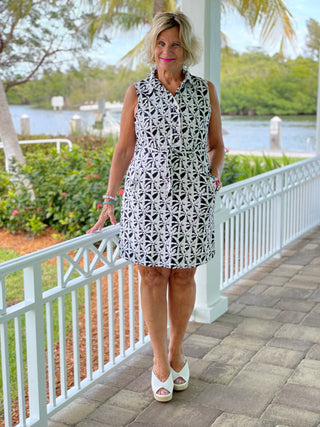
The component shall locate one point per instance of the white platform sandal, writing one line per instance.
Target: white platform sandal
(157, 385)
(184, 374)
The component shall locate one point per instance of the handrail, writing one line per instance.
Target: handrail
(56, 141)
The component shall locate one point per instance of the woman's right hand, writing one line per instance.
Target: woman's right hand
(107, 212)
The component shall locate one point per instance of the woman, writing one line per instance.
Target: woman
(171, 147)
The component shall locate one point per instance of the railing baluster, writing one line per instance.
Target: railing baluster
(255, 234)
(251, 236)
(50, 354)
(259, 227)
(62, 347)
(246, 241)
(237, 243)
(242, 225)
(232, 243)
(75, 337)
(141, 321)
(111, 319)
(99, 297)
(131, 307)
(20, 371)
(122, 335)
(87, 309)
(226, 249)
(6, 389)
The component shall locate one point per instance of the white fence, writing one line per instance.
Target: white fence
(57, 342)
(65, 329)
(57, 141)
(263, 214)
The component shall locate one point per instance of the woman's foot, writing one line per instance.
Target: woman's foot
(180, 370)
(181, 377)
(162, 371)
(162, 390)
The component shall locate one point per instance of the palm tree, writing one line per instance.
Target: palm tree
(272, 15)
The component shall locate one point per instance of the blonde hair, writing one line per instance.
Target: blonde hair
(165, 20)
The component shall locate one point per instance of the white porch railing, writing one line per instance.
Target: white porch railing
(58, 339)
(52, 359)
(254, 220)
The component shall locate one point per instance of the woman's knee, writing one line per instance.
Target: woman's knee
(154, 275)
(183, 276)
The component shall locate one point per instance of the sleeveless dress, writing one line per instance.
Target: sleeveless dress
(167, 213)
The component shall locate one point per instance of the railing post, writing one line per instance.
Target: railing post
(36, 362)
(210, 304)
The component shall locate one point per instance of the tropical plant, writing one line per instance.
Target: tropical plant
(313, 37)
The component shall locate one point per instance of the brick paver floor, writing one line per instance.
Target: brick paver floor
(257, 365)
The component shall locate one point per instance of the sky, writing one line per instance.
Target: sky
(239, 36)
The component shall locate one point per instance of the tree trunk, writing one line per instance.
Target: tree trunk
(158, 6)
(12, 149)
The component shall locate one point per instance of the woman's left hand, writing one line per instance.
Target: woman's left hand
(107, 212)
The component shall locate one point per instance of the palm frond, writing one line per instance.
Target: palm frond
(170, 6)
(273, 16)
(134, 56)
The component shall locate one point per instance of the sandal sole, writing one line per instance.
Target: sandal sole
(180, 387)
(164, 398)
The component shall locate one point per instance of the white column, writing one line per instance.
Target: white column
(318, 113)
(205, 16)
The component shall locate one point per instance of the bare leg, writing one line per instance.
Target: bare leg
(154, 282)
(182, 291)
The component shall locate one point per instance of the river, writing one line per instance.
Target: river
(243, 132)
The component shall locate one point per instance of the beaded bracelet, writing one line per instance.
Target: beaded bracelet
(106, 196)
(109, 203)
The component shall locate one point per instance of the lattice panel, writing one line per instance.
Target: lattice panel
(86, 260)
(245, 196)
(301, 173)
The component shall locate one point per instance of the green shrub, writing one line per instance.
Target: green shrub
(239, 167)
(61, 190)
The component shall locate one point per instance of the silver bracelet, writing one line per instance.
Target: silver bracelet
(106, 196)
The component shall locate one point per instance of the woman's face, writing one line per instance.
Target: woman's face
(169, 54)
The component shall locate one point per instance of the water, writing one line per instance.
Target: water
(298, 132)
(49, 122)
(253, 133)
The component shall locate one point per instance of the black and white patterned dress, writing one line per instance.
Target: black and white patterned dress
(168, 202)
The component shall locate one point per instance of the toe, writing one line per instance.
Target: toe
(163, 392)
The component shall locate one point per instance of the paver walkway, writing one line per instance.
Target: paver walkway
(257, 365)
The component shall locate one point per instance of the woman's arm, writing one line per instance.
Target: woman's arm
(216, 148)
(122, 156)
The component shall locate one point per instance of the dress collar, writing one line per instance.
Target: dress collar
(154, 82)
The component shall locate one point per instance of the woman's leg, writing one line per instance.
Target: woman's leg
(182, 292)
(154, 282)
